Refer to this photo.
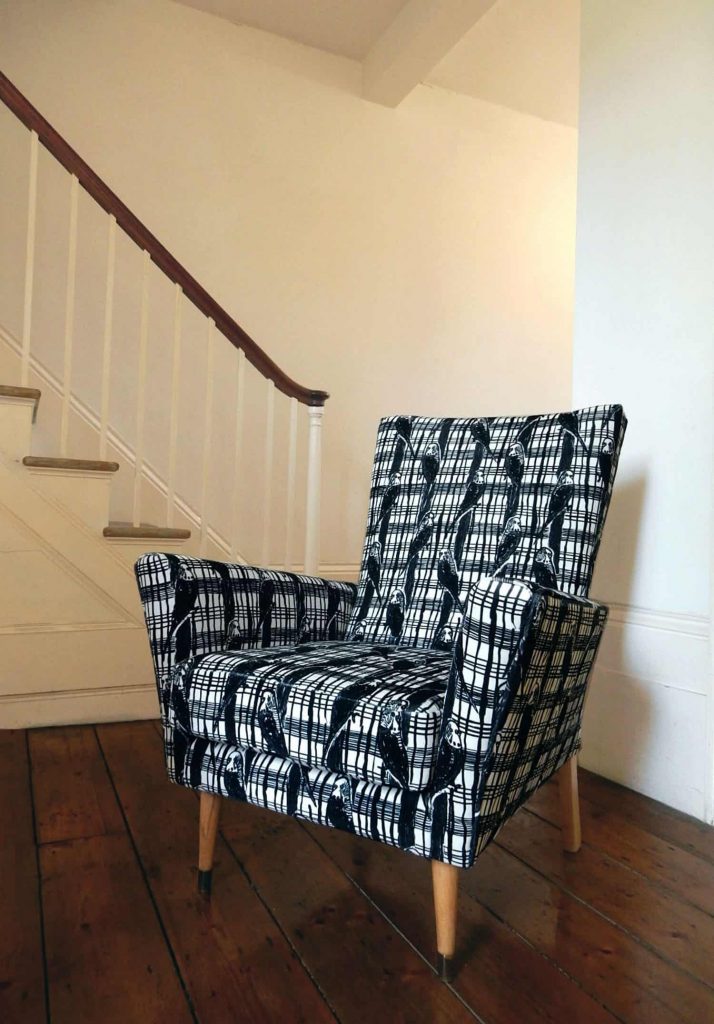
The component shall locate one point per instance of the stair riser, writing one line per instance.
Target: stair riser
(85, 494)
(16, 426)
(130, 550)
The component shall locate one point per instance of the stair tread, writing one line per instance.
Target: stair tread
(89, 465)
(145, 531)
(12, 391)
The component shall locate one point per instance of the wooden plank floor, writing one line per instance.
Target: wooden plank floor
(100, 921)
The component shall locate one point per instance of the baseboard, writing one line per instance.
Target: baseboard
(79, 707)
(649, 705)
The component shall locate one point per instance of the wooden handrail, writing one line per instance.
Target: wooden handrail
(139, 233)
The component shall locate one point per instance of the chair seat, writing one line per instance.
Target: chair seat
(370, 711)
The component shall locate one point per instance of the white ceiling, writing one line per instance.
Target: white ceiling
(345, 27)
(522, 54)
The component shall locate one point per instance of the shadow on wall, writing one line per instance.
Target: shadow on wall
(618, 714)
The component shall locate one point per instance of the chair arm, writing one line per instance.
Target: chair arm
(195, 606)
(516, 691)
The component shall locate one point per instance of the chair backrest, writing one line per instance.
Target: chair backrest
(455, 499)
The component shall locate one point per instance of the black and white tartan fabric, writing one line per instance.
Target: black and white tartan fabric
(195, 606)
(365, 710)
(427, 745)
(452, 500)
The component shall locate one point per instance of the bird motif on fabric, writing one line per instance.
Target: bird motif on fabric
(358, 632)
(448, 576)
(431, 462)
(304, 632)
(182, 631)
(343, 709)
(544, 572)
(418, 543)
(481, 434)
(515, 462)
(234, 637)
(390, 496)
(569, 423)
(334, 600)
(403, 429)
(234, 777)
(475, 490)
(374, 566)
(560, 499)
(339, 807)
(508, 542)
(396, 608)
(293, 786)
(270, 728)
(390, 741)
(421, 538)
(266, 596)
(604, 458)
(514, 465)
(443, 638)
(450, 760)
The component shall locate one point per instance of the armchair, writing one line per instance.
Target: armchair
(423, 707)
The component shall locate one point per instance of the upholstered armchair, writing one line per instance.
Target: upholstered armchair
(424, 706)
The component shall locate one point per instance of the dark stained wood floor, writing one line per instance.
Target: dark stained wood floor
(100, 921)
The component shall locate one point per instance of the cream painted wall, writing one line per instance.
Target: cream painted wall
(644, 335)
(417, 260)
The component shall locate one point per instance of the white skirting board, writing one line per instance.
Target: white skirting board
(648, 711)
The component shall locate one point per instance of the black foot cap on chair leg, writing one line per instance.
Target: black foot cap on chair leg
(204, 882)
(445, 967)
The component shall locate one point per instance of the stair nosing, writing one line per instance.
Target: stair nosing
(125, 531)
(17, 391)
(86, 465)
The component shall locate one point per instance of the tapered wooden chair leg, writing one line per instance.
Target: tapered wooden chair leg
(445, 878)
(207, 829)
(570, 805)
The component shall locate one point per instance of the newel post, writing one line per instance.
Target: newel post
(312, 518)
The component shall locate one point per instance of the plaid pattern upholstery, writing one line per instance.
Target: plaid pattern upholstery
(454, 500)
(509, 721)
(365, 710)
(439, 711)
(194, 606)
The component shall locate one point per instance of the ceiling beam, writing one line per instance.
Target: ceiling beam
(413, 44)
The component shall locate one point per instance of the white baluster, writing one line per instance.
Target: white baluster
(69, 315)
(268, 479)
(207, 422)
(29, 260)
(173, 418)
(290, 496)
(107, 349)
(312, 525)
(238, 450)
(141, 388)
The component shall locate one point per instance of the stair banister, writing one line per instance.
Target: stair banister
(217, 318)
(140, 234)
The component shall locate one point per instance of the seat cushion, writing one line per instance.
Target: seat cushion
(367, 710)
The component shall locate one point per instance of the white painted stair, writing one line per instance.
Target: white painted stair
(74, 645)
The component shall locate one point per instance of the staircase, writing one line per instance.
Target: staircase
(94, 472)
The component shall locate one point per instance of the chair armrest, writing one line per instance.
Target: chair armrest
(195, 606)
(516, 691)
